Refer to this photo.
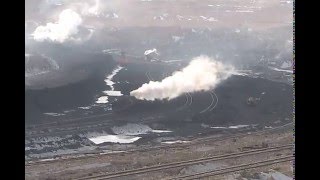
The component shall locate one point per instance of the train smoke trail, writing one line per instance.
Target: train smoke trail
(201, 74)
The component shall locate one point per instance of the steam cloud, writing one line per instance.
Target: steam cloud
(66, 26)
(201, 74)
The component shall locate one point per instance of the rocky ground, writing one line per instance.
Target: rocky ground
(104, 163)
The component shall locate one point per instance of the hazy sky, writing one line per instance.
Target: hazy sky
(76, 20)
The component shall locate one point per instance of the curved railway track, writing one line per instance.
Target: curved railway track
(217, 100)
(187, 103)
(190, 102)
(209, 107)
(188, 163)
(214, 102)
(147, 73)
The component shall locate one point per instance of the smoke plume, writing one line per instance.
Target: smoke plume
(66, 26)
(201, 74)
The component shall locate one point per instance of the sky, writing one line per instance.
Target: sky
(61, 21)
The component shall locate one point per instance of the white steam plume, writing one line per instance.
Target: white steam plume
(201, 74)
(66, 26)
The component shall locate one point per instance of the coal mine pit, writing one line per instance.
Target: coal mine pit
(69, 118)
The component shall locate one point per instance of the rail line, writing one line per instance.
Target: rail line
(217, 100)
(148, 76)
(185, 104)
(237, 168)
(214, 99)
(160, 147)
(190, 102)
(187, 163)
(209, 107)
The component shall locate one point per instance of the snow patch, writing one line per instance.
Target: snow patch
(108, 80)
(281, 70)
(150, 51)
(177, 38)
(135, 129)
(230, 127)
(286, 65)
(173, 142)
(102, 99)
(238, 126)
(114, 139)
(54, 114)
(85, 107)
(113, 93)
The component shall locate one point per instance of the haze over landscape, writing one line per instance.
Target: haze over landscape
(119, 75)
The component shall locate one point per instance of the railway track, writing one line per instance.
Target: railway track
(209, 107)
(217, 100)
(187, 103)
(161, 147)
(190, 162)
(237, 168)
(214, 102)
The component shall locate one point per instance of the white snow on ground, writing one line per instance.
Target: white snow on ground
(109, 152)
(112, 16)
(53, 114)
(281, 70)
(135, 129)
(114, 139)
(173, 142)
(172, 61)
(111, 51)
(160, 131)
(69, 111)
(161, 17)
(85, 107)
(113, 93)
(230, 127)
(210, 19)
(48, 159)
(147, 52)
(108, 80)
(115, 15)
(27, 55)
(179, 17)
(286, 65)
(218, 127)
(241, 73)
(244, 11)
(177, 38)
(102, 99)
(238, 126)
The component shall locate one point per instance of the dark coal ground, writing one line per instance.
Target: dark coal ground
(178, 115)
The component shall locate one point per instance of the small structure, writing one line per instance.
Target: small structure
(251, 101)
(151, 55)
(123, 58)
